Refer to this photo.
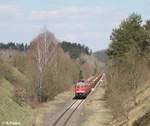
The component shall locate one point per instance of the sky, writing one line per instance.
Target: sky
(88, 22)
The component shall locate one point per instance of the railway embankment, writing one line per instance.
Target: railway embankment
(96, 111)
(138, 115)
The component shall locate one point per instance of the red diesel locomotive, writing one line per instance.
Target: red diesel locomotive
(83, 88)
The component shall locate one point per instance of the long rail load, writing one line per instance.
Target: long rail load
(84, 87)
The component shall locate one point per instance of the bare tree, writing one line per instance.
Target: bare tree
(124, 79)
(43, 53)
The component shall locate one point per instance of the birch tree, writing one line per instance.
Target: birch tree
(43, 49)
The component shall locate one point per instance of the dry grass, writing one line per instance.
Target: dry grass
(50, 106)
(137, 113)
(143, 105)
(96, 112)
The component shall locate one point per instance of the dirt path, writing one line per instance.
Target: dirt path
(70, 117)
(49, 112)
(50, 117)
(96, 112)
(44, 113)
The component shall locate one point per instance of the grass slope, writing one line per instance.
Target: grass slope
(14, 76)
(143, 121)
(10, 110)
(139, 115)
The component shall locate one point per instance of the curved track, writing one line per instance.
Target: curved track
(65, 117)
(67, 114)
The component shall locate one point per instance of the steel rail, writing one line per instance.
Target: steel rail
(73, 111)
(65, 123)
(61, 115)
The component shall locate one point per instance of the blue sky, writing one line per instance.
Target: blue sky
(89, 22)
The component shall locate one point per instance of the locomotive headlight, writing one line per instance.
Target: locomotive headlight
(92, 89)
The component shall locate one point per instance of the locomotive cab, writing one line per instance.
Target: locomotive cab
(81, 89)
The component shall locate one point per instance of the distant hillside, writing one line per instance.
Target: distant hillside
(75, 49)
(90, 65)
(101, 56)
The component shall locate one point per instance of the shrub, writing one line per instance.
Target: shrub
(20, 95)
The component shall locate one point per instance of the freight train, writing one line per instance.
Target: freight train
(84, 87)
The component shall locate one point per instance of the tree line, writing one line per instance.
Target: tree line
(75, 49)
(13, 45)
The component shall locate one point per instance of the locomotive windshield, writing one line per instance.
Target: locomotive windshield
(80, 83)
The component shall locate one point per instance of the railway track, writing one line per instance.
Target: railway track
(65, 116)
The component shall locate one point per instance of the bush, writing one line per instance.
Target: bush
(20, 95)
(124, 78)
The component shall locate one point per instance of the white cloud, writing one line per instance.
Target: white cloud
(90, 25)
(73, 12)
